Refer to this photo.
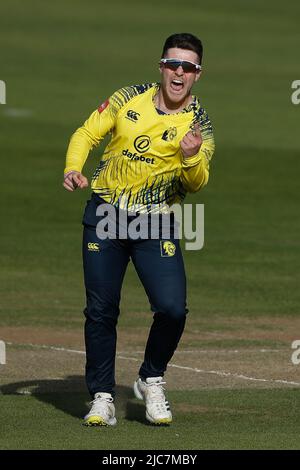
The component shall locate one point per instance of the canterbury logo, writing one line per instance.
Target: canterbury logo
(93, 247)
(167, 248)
(132, 115)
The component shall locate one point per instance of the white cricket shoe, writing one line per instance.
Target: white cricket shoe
(102, 412)
(152, 392)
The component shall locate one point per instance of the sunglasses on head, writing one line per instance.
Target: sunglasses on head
(187, 66)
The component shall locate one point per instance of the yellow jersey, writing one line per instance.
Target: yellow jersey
(142, 166)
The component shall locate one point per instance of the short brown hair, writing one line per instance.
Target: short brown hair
(184, 41)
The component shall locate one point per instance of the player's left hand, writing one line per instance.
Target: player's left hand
(191, 142)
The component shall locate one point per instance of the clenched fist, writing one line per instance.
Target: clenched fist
(191, 142)
(73, 180)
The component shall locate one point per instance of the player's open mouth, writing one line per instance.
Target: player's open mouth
(176, 85)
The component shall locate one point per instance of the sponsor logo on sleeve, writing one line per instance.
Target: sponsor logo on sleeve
(103, 106)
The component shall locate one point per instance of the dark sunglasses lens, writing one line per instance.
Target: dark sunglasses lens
(188, 67)
(173, 65)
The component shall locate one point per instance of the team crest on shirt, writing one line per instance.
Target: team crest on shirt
(167, 248)
(169, 134)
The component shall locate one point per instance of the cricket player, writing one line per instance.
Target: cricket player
(161, 143)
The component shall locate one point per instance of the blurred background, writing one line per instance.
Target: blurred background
(60, 60)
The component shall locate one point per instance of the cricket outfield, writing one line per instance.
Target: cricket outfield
(232, 383)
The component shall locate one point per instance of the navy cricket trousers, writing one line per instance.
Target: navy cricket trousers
(163, 277)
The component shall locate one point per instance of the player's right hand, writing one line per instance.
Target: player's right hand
(74, 180)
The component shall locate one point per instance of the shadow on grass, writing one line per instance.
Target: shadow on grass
(70, 396)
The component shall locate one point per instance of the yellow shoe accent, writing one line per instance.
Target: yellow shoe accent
(163, 421)
(95, 421)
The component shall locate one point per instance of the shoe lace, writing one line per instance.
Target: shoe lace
(156, 391)
(101, 400)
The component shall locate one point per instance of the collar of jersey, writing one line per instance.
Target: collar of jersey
(190, 107)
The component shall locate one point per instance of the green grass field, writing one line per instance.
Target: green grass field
(59, 61)
(264, 420)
